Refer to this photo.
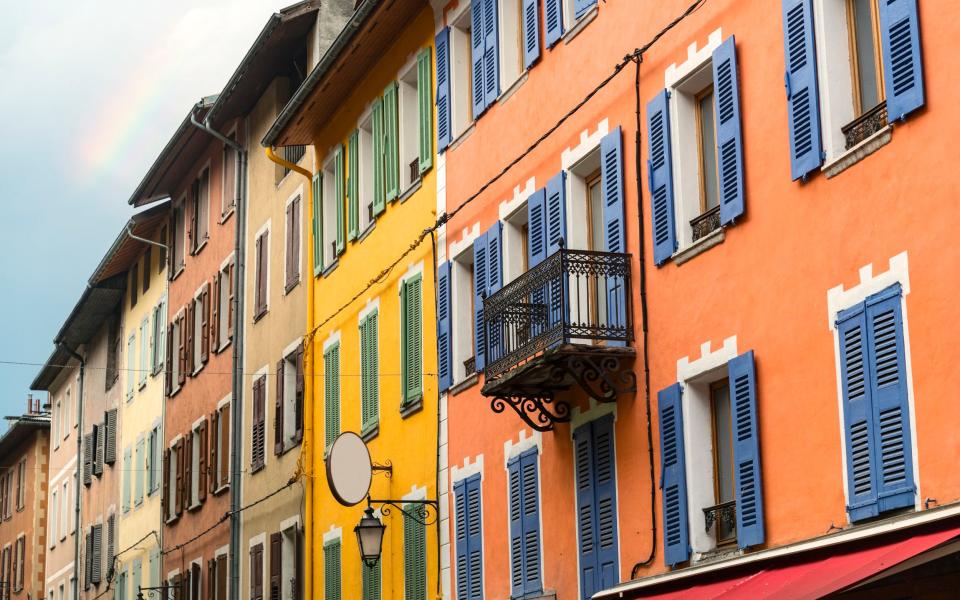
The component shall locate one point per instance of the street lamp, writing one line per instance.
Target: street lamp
(370, 537)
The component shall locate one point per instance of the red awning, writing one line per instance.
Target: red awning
(809, 579)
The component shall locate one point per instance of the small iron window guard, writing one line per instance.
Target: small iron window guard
(724, 515)
(865, 125)
(705, 224)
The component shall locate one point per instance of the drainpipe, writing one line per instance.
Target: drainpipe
(236, 409)
(75, 580)
(306, 448)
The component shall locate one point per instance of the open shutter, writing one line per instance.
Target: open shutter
(213, 440)
(494, 334)
(803, 99)
(332, 397)
(97, 557)
(125, 480)
(553, 15)
(215, 314)
(729, 135)
(474, 538)
(165, 483)
(460, 507)
(660, 173)
(188, 471)
(531, 32)
(414, 346)
(479, 290)
(140, 469)
(536, 228)
(902, 64)
(189, 327)
(278, 411)
(100, 434)
(317, 194)
(425, 109)
(606, 501)
(379, 182)
(673, 478)
(444, 352)
(515, 511)
(339, 176)
(491, 58)
(746, 450)
(298, 408)
(611, 176)
(275, 562)
(556, 213)
(391, 142)
(580, 7)
(168, 366)
(584, 465)
(204, 323)
(353, 186)
(110, 444)
(477, 47)
(202, 474)
(111, 544)
(530, 515)
(891, 408)
(181, 467)
(443, 89)
(232, 287)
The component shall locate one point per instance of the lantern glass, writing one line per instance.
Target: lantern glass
(370, 537)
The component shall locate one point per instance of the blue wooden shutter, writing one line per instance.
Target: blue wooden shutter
(531, 32)
(580, 7)
(586, 510)
(729, 135)
(673, 477)
(515, 511)
(491, 58)
(444, 358)
(463, 573)
(495, 343)
(660, 173)
(530, 515)
(536, 228)
(614, 232)
(553, 13)
(479, 291)
(888, 392)
(556, 213)
(746, 450)
(902, 65)
(474, 538)
(477, 46)
(857, 414)
(605, 468)
(443, 89)
(803, 99)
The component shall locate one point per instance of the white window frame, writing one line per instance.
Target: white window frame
(171, 515)
(365, 172)
(144, 353)
(461, 71)
(264, 562)
(130, 375)
(298, 195)
(224, 426)
(54, 513)
(56, 424)
(461, 300)
(64, 509)
(228, 206)
(408, 123)
(223, 302)
(290, 392)
(265, 228)
(288, 552)
(328, 233)
(203, 205)
(198, 331)
(510, 38)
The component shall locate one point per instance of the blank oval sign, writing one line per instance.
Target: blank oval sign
(349, 471)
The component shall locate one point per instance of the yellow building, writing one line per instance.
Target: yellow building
(367, 109)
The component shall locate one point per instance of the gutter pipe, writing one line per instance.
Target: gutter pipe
(305, 464)
(75, 580)
(236, 412)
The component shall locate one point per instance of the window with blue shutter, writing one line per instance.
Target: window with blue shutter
(469, 538)
(477, 47)
(536, 228)
(581, 7)
(660, 175)
(902, 64)
(673, 477)
(443, 89)
(729, 135)
(444, 342)
(555, 233)
(612, 188)
(524, 512)
(595, 470)
(531, 32)
(803, 99)
(487, 279)
(876, 409)
(491, 51)
(746, 450)
(553, 21)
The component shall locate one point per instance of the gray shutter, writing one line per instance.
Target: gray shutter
(110, 443)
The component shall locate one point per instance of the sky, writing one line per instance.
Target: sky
(89, 94)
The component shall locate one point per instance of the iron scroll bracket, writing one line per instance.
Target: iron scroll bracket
(424, 512)
(157, 591)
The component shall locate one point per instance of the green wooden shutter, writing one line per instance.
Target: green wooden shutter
(379, 193)
(331, 392)
(338, 173)
(371, 581)
(412, 340)
(331, 570)
(127, 467)
(391, 146)
(414, 558)
(425, 103)
(317, 224)
(369, 373)
(353, 186)
(138, 474)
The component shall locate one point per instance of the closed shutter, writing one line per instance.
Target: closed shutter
(135, 574)
(259, 423)
(369, 373)
(338, 187)
(673, 479)
(232, 287)
(586, 509)
(372, 586)
(87, 458)
(444, 349)
(477, 46)
(263, 257)
(515, 511)
(331, 396)
(614, 229)
(96, 557)
(414, 559)
(580, 7)
(803, 99)
(214, 441)
(182, 349)
(480, 266)
(353, 186)
(460, 542)
(188, 467)
(215, 313)
(138, 473)
(317, 224)
(412, 340)
(298, 408)
(88, 559)
(275, 565)
(278, 411)
(746, 450)
(729, 136)
(443, 89)
(491, 58)
(221, 577)
(293, 243)
(531, 32)
(331, 570)
(857, 414)
(425, 109)
(524, 511)
(391, 142)
(536, 228)
(110, 442)
(204, 323)
(469, 539)
(553, 19)
(188, 325)
(606, 501)
(256, 572)
(660, 174)
(379, 182)
(212, 579)
(202, 474)
(165, 491)
(902, 64)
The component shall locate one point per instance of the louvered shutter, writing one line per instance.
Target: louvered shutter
(278, 411)
(182, 348)
(259, 422)
(673, 478)
(474, 538)
(555, 233)
(726, 86)
(494, 333)
(232, 287)
(477, 47)
(371, 581)
(803, 99)
(536, 228)
(165, 491)
(369, 360)
(338, 187)
(586, 508)
(444, 350)
(298, 408)
(189, 327)
(215, 314)
(515, 512)
(480, 267)
(317, 223)
(256, 572)
(331, 570)
(87, 458)
(580, 7)
(88, 559)
(391, 142)
(205, 323)
(181, 468)
(202, 474)
(212, 579)
(491, 58)
(110, 443)
(168, 367)
(460, 543)
(188, 471)
(660, 174)
(443, 89)
(111, 544)
(425, 109)
(214, 442)
(553, 20)
(531, 32)
(275, 562)
(97, 557)
(379, 177)
(154, 566)
(331, 378)
(297, 583)
(353, 185)
(606, 501)
(746, 450)
(413, 317)
(100, 435)
(902, 64)
(264, 270)
(138, 472)
(524, 511)
(614, 229)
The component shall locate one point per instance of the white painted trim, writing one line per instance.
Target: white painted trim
(412, 271)
(332, 535)
(513, 449)
(709, 360)
(333, 338)
(459, 473)
(415, 493)
(508, 207)
(175, 440)
(260, 538)
(293, 521)
(67, 467)
(63, 571)
(224, 401)
(467, 237)
(588, 143)
(292, 346)
(225, 263)
(373, 305)
(580, 417)
(222, 550)
(265, 228)
(839, 299)
(696, 57)
(457, 12)
(298, 194)
(197, 423)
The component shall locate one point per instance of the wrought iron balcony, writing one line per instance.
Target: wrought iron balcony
(566, 322)
(724, 517)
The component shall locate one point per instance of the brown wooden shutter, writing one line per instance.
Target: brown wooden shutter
(168, 367)
(212, 579)
(182, 349)
(260, 275)
(215, 315)
(221, 577)
(295, 244)
(288, 254)
(230, 296)
(214, 445)
(194, 233)
(188, 350)
(204, 323)
(196, 580)
(298, 408)
(258, 422)
(202, 474)
(278, 412)
(165, 493)
(179, 451)
(298, 563)
(256, 572)
(275, 562)
(188, 470)
(224, 451)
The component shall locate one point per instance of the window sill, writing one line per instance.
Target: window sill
(177, 272)
(257, 468)
(223, 347)
(462, 137)
(291, 286)
(369, 433)
(512, 89)
(858, 153)
(223, 488)
(411, 408)
(226, 216)
(464, 385)
(580, 25)
(141, 385)
(326, 272)
(366, 231)
(260, 314)
(714, 238)
(203, 244)
(412, 189)
(194, 506)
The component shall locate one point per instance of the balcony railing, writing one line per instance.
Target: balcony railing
(573, 297)
(724, 518)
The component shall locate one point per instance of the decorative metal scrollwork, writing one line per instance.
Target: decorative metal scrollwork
(602, 378)
(541, 412)
(725, 513)
(424, 512)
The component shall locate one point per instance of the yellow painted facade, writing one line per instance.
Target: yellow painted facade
(407, 439)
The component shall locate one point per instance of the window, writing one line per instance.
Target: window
(285, 570)
(595, 470)
(464, 297)
(21, 483)
(524, 511)
(172, 472)
(65, 520)
(411, 343)
(292, 250)
(876, 406)
(134, 283)
(487, 280)
(177, 229)
(261, 289)
(21, 550)
(162, 257)
(469, 537)
(332, 194)
(139, 470)
(223, 307)
(331, 392)
(217, 577)
(574, 10)
(158, 338)
(256, 572)
(144, 353)
(512, 40)
(200, 339)
(176, 375)
(369, 373)
(257, 453)
(131, 374)
(220, 448)
(408, 101)
(331, 570)
(867, 70)
(414, 557)
(461, 75)
(128, 468)
(288, 408)
(67, 415)
(54, 513)
(109, 426)
(147, 257)
(56, 417)
(5, 568)
(372, 581)
(113, 352)
(200, 211)
(367, 156)
(231, 179)
(711, 503)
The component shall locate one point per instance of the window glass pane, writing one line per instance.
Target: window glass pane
(708, 151)
(596, 215)
(866, 54)
(720, 395)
